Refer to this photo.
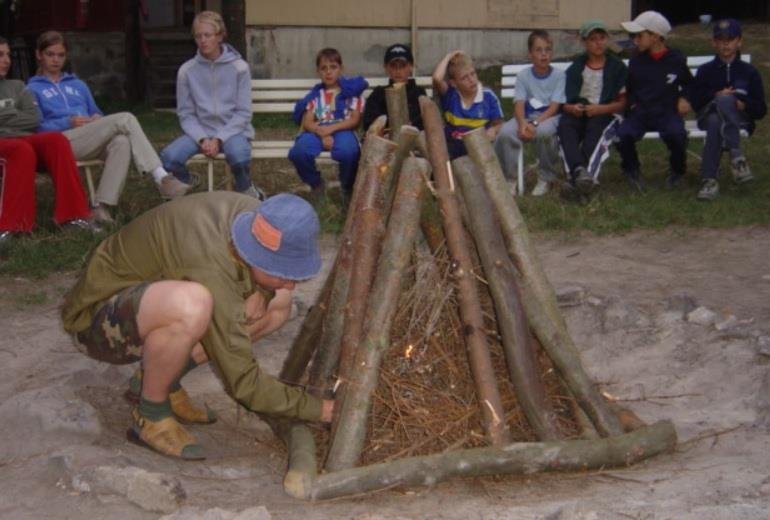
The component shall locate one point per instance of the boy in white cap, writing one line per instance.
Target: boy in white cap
(658, 78)
(195, 280)
(728, 96)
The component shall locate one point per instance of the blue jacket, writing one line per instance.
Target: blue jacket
(213, 98)
(58, 102)
(715, 75)
(349, 87)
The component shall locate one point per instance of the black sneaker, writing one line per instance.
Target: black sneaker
(583, 180)
(634, 180)
(673, 180)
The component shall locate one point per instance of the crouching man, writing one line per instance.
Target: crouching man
(191, 281)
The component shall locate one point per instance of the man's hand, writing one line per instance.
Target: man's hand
(574, 109)
(327, 142)
(682, 106)
(527, 131)
(255, 307)
(593, 110)
(327, 411)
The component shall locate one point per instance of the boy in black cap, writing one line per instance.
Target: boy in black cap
(728, 96)
(399, 65)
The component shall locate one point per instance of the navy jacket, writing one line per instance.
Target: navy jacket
(715, 75)
(653, 86)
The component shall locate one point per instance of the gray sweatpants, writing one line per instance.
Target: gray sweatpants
(507, 146)
(116, 139)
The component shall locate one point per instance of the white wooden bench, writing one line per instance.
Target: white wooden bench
(508, 88)
(268, 96)
(278, 96)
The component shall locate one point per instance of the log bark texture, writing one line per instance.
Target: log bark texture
(470, 308)
(375, 157)
(306, 341)
(398, 110)
(539, 297)
(349, 437)
(523, 458)
(500, 274)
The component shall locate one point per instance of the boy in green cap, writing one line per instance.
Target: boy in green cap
(595, 91)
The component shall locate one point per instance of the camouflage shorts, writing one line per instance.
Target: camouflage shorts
(114, 335)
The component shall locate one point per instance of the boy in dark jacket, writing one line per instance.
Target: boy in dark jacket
(728, 96)
(658, 78)
(595, 90)
(399, 65)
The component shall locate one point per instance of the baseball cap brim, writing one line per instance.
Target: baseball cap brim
(632, 27)
(274, 263)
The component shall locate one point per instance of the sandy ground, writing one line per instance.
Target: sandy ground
(62, 417)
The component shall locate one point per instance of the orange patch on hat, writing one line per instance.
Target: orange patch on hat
(266, 234)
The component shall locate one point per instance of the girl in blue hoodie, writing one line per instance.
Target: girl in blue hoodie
(67, 105)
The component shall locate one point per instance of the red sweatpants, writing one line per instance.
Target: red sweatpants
(17, 190)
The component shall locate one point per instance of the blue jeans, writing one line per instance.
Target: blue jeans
(345, 151)
(237, 152)
(722, 122)
(669, 125)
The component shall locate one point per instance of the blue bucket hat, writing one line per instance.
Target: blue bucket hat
(280, 237)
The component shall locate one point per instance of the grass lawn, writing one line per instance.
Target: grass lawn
(614, 210)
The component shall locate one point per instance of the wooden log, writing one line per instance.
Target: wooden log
(304, 344)
(539, 297)
(405, 143)
(302, 465)
(375, 157)
(377, 127)
(470, 309)
(398, 110)
(523, 458)
(350, 434)
(500, 274)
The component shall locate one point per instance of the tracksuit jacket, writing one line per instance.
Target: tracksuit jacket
(58, 102)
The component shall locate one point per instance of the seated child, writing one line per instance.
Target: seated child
(657, 80)
(595, 90)
(465, 102)
(399, 65)
(537, 99)
(728, 96)
(329, 115)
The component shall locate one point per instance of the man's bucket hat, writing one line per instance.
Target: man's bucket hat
(280, 237)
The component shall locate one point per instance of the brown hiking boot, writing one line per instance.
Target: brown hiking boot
(187, 412)
(181, 404)
(166, 436)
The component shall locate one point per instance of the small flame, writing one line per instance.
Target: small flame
(408, 351)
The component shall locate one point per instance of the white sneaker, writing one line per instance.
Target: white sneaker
(540, 189)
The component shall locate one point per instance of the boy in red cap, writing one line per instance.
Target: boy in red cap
(728, 96)
(195, 280)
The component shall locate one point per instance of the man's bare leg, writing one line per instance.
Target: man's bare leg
(172, 318)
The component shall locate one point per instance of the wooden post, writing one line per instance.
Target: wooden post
(306, 341)
(504, 289)
(539, 297)
(375, 157)
(470, 308)
(350, 434)
(398, 109)
(521, 458)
